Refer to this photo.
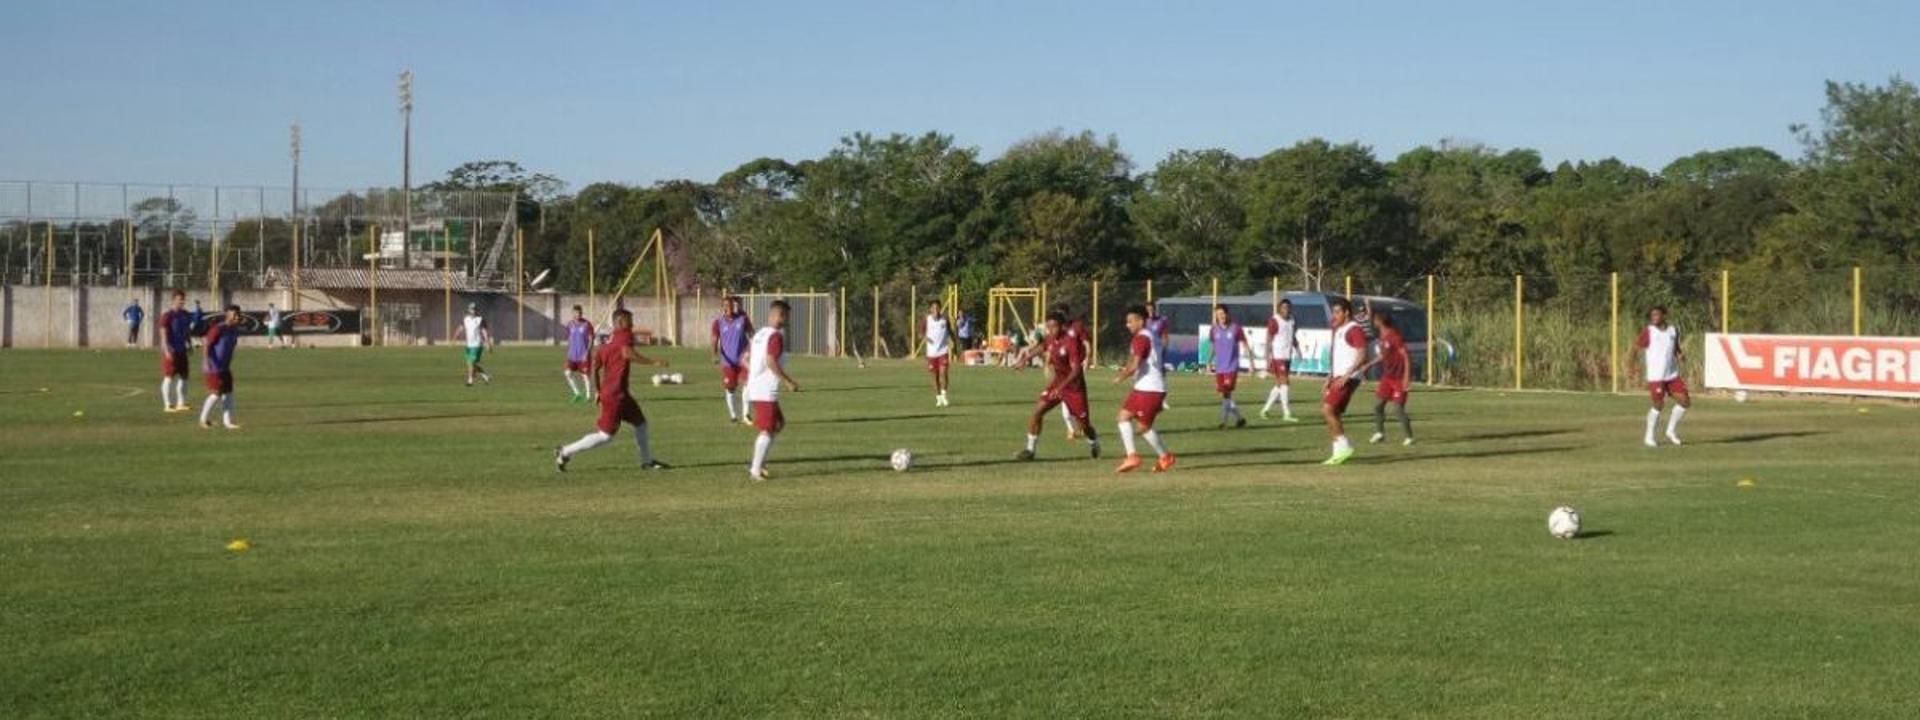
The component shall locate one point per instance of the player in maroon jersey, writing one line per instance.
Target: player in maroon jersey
(1067, 386)
(1396, 377)
(611, 366)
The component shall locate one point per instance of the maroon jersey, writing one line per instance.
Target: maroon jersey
(1065, 352)
(613, 365)
(1393, 362)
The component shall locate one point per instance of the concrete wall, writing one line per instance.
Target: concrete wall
(89, 316)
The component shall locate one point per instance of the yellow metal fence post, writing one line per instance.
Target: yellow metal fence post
(1216, 298)
(1096, 323)
(1519, 332)
(1856, 300)
(1433, 330)
(876, 322)
(913, 328)
(1349, 288)
(1149, 290)
(593, 302)
(1613, 331)
(1726, 297)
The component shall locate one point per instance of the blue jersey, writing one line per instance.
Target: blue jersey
(733, 333)
(220, 342)
(133, 314)
(1226, 347)
(579, 340)
(179, 326)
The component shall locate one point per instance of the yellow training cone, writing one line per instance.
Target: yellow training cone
(79, 413)
(240, 545)
(1745, 482)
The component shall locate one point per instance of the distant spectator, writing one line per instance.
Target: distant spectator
(133, 315)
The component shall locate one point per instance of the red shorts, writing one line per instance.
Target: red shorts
(584, 366)
(615, 409)
(768, 418)
(1339, 396)
(937, 364)
(731, 375)
(1226, 382)
(1392, 391)
(176, 367)
(1280, 369)
(1144, 406)
(1660, 390)
(1074, 397)
(220, 383)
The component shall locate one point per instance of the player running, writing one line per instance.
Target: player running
(766, 372)
(474, 328)
(579, 366)
(221, 339)
(1282, 347)
(1077, 329)
(1396, 377)
(1661, 343)
(1229, 344)
(939, 339)
(612, 363)
(1343, 376)
(731, 333)
(1066, 358)
(1161, 328)
(176, 330)
(1148, 396)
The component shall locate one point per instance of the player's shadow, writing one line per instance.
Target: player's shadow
(407, 418)
(1592, 534)
(811, 389)
(878, 418)
(1513, 434)
(1390, 459)
(1765, 436)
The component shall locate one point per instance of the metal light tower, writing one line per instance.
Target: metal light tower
(406, 168)
(293, 144)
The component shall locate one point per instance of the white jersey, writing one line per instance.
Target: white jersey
(763, 385)
(938, 339)
(1347, 357)
(472, 325)
(1280, 346)
(1663, 352)
(1150, 376)
(273, 317)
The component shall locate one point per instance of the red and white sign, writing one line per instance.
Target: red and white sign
(1832, 364)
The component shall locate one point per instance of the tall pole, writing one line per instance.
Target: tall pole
(446, 280)
(841, 336)
(1856, 300)
(294, 142)
(1433, 331)
(406, 167)
(1613, 331)
(520, 283)
(593, 303)
(876, 320)
(1519, 332)
(46, 337)
(1726, 296)
(373, 284)
(1096, 323)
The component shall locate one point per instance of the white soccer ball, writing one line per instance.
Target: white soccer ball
(1740, 396)
(656, 378)
(902, 459)
(1564, 523)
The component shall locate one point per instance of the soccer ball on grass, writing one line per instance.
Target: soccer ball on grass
(1564, 523)
(902, 459)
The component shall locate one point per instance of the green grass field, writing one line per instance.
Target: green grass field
(417, 556)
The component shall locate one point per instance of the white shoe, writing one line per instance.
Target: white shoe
(1651, 443)
(1377, 437)
(1407, 442)
(1675, 439)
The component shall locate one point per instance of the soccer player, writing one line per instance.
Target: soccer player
(273, 326)
(766, 372)
(1343, 376)
(1282, 346)
(1161, 328)
(1229, 344)
(939, 339)
(474, 328)
(1148, 396)
(1396, 377)
(579, 367)
(1067, 387)
(1076, 329)
(612, 364)
(176, 331)
(221, 339)
(1661, 343)
(731, 334)
(133, 315)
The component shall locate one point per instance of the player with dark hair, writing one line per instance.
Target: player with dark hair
(938, 336)
(1659, 343)
(612, 364)
(1067, 387)
(1343, 377)
(766, 372)
(1148, 396)
(1282, 346)
(221, 339)
(1229, 345)
(732, 331)
(1074, 328)
(579, 366)
(176, 344)
(1396, 377)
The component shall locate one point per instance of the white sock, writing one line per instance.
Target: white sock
(1673, 420)
(1286, 400)
(1067, 416)
(226, 409)
(744, 403)
(586, 442)
(761, 445)
(731, 413)
(166, 393)
(644, 443)
(206, 408)
(180, 389)
(1273, 396)
(571, 385)
(1342, 443)
(1233, 408)
(1653, 421)
(1033, 441)
(1153, 438)
(1126, 438)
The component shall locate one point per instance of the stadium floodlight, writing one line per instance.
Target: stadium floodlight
(406, 167)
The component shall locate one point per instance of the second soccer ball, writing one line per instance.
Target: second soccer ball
(902, 459)
(1564, 523)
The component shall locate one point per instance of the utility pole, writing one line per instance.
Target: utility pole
(406, 168)
(294, 143)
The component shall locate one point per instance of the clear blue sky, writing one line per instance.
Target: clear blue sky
(202, 92)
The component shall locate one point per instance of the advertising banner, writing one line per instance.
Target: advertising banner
(1830, 364)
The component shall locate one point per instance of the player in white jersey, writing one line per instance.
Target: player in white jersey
(766, 372)
(1149, 393)
(1661, 345)
(1282, 346)
(939, 339)
(474, 328)
(1343, 377)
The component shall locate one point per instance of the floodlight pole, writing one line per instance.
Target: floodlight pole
(406, 167)
(294, 143)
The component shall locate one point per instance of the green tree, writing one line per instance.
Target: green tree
(1315, 208)
(1190, 214)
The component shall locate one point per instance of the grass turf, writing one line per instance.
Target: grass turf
(418, 556)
